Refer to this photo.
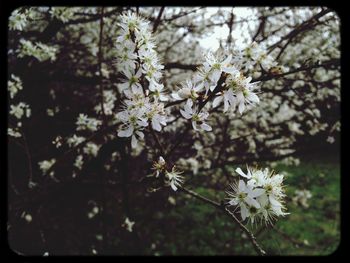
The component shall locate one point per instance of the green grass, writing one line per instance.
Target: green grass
(194, 228)
(319, 225)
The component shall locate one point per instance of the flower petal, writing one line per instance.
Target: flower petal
(217, 101)
(257, 192)
(206, 127)
(133, 141)
(127, 132)
(240, 172)
(244, 211)
(185, 114)
(155, 124)
(251, 201)
(273, 201)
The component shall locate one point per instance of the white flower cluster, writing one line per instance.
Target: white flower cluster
(62, 13)
(75, 140)
(94, 211)
(143, 91)
(198, 118)
(14, 85)
(172, 178)
(189, 163)
(256, 54)
(260, 198)
(57, 141)
(91, 149)
(79, 162)
(17, 110)
(13, 132)
(330, 139)
(301, 197)
(28, 217)
(38, 50)
(109, 99)
(235, 89)
(20, 109)
(46, 165)
(86, 123)
(17, 20)
(128, 224)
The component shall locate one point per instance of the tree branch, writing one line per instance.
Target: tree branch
(100, 59)
(157, 21)
(224, 209)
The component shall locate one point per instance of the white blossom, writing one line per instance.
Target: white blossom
(86, 123)
(174, 178)
(17, 20)
(46, 165)
(13, 132)
(198, 119)
(62, 13)
(128, 224)
(14, 85)
(79, 162)
(301, 197)
(91, 149)
(20, 109)
(75, 140)
(38, 50)
(188, 90)
(159, 166)
(109, 99)
(243, 91)
(261, 198)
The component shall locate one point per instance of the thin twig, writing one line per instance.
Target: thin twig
(160, 147)
(100, 58)
(198, 196)
(29, 157)
(250, 234)
(157, 22)
(225, 209)
(103, 175)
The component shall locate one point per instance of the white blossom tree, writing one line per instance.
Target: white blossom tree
(130, 99)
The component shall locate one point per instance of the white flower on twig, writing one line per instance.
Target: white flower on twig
(198, 119)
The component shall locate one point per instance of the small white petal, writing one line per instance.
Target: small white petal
(206, 127)
(185, 114)
(173, 186)
(194, 125)
(142, 123)
(217, 101)
(127, 132)
(140, 134)
(241, 186)
(252, 202)
(273, 201)
(176, 96)
(244, 211)
(133, 141)
(233, 202)
(240, 172)
(156, 125)
(253, 97)
(257, 192)
(241, 107)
